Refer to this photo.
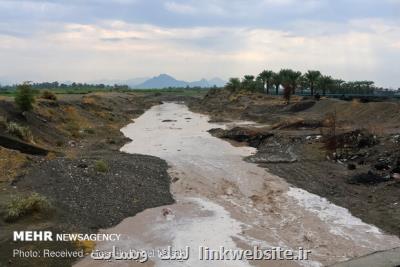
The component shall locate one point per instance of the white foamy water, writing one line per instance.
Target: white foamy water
(339, 219)
(225, 201)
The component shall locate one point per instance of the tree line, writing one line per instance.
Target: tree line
(312, 82)
(64, 86)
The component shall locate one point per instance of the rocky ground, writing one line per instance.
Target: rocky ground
(71, 158)
(346, 151)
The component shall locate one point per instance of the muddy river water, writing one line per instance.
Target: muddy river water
(223, 201)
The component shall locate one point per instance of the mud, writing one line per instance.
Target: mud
(222, 200)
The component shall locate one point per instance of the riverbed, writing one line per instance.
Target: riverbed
(223, 201)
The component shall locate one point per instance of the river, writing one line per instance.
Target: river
(222, 200)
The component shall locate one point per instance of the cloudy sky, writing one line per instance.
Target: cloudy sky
(46, 40)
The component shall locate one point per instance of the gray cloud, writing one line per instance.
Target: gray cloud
(94, 39)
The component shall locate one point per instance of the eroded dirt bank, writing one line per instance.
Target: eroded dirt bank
(222, 200)
(292, 143)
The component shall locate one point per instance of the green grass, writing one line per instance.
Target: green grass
(59, 91)
(168, 91)
(20, 206)
(7, 93)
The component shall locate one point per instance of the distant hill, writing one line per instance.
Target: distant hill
(161, 81)
(165, 81)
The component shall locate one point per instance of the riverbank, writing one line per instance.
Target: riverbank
(291, 143)
(86, 181)
(224, 201)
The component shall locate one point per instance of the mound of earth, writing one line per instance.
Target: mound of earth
(87, 197)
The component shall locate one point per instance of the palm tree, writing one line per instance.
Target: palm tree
(233, 84)
(338, 86)
(276, 80)
(312, 77)
(266, 77)
(290, 79)
(248, 78)
(260, 85)
(325, 82)
(303, 83)
(248, 83)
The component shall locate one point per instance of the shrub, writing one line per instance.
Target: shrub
(20, 131)
(101, 166)
(19, 206)
(48, 95)
(24, 97)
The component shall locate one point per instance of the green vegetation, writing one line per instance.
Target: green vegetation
(311, 79)
(19, 131)
(76, 88)
(248, 83)
(20, 206)
(290, 80)
(57, 88)
(312, 82)
(267, 79)
(24, 97)
(101, 166)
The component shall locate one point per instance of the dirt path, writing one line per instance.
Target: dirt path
(222, 200)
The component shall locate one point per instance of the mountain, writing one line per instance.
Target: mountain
(161, 81)
(165, 81)
(135, 81)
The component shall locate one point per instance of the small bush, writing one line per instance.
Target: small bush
(24, 97)
(19, 131)
(48, 95)
(101, 166)
(23, 206)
